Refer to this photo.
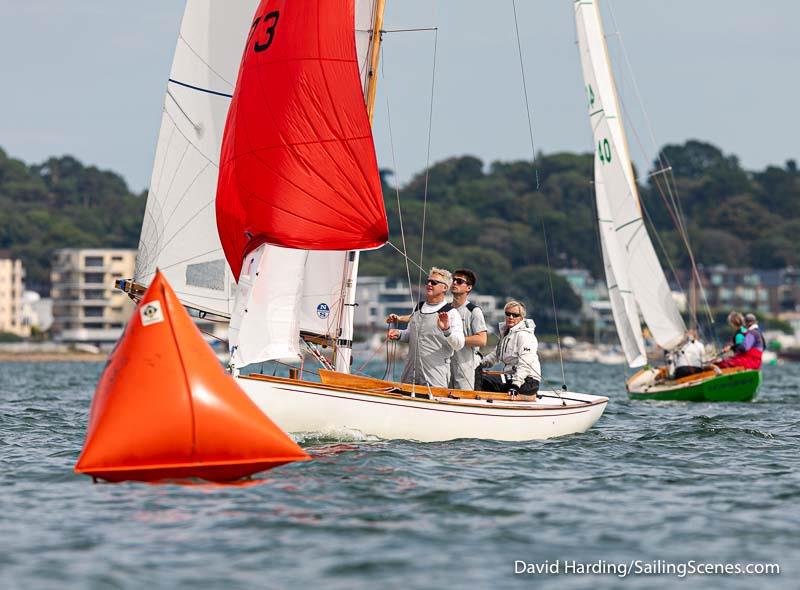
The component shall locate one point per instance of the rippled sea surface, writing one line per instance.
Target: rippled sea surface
(658, 482)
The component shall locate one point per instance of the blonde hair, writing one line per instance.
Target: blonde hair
(515, 303)
(447, 277)
(735, 318)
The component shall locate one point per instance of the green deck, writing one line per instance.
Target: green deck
(733, 387)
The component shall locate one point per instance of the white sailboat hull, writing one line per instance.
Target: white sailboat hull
(303, 407)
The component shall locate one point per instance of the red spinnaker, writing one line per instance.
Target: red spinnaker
(298, 166)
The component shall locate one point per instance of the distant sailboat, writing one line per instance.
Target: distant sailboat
(635, 279)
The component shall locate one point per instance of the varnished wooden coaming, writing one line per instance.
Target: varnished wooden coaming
(370, 386)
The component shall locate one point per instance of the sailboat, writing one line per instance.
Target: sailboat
(298, 196)
(635, 279)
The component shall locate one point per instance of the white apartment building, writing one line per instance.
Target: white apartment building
(86, 306)
(377, 297)
(12, 285)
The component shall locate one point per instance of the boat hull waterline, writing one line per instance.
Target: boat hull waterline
(732, 385)
(304, 407)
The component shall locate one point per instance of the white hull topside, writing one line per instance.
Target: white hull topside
(305, 407)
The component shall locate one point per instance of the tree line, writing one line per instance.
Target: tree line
(506, 220)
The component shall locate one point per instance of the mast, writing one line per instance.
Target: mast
(374, 57)
(343, 354)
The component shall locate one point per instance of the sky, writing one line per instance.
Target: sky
(87, 78)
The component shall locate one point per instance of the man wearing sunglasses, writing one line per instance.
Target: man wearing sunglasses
(434, 333)
(465, 361)
(518, 351)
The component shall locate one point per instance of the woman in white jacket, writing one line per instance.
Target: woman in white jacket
(517, 350)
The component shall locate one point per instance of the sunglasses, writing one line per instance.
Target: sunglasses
(512, 315)
(434, 282)
(460, 281)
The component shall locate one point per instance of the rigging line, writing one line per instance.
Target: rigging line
(410, 30)
(404, 252)
(525, 91)
(428, 158)
(553, 298)
(408, 259)
(425, 194)
(661, 157)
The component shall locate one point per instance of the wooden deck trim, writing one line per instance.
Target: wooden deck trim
(387, 390)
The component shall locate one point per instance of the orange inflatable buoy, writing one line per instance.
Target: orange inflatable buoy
(165, 409)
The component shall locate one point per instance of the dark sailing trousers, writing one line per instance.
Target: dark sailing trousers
(685, 371)
(502, 384)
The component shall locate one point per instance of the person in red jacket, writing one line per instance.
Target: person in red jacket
(748, 344)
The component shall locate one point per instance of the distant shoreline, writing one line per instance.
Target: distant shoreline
(51, 357)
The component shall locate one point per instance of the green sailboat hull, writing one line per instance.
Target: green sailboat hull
(731, 387)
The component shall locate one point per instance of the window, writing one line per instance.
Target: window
(94, 294)
(392, 297)
(92, 312)
(93, 261)
(93, 326)
(116, 258)
(94, 277)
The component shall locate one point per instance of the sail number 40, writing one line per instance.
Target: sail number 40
(270, 21)
(604, 151)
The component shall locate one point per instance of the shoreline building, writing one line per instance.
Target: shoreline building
(377, 297)
(12, 286)
(87, 309)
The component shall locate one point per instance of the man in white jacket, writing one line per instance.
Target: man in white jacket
(434, 333)
(518, 351)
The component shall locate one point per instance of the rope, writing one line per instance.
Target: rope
(671, 199)
(538, 185)
(525, 91)
(555, 312)
(404, 251)
(425, 194)
(428, 158)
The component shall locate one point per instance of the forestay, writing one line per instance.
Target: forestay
(633, 260)
(300, 175)
(179, 233)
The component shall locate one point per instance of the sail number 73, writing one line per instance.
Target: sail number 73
(270, 21)
(604, 151)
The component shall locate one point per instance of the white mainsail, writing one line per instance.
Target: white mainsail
(623, 304)
(633, 261)
(325, 280)
(179, 231)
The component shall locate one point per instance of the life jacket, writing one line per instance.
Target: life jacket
(446, 307)
(737, 340)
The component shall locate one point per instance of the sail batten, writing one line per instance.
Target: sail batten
(630, 258)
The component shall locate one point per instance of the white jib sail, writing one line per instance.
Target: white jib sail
(326, 301)
(638, 261)
(179, 231)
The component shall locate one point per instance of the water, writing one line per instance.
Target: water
(651, 481)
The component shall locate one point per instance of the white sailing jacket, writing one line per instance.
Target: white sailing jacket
(518, 351)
